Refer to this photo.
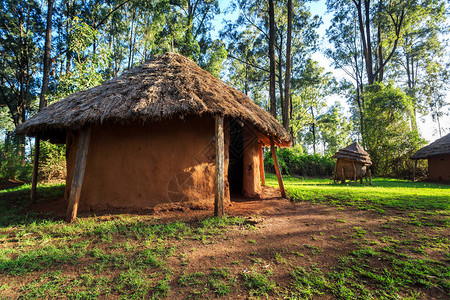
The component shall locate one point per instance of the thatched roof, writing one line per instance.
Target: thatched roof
(165, 87)
(438, 147)
(355, 153)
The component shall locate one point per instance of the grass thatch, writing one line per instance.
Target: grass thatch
(168, 86)
(438, 147)
(354, 152)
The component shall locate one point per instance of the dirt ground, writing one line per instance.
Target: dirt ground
(10, 183)
(285, 235)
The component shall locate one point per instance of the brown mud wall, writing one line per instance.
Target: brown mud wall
(251, 187)
(349, 171)
(439, 168)
(140, 166)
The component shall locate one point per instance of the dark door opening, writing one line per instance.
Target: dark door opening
(236, 156)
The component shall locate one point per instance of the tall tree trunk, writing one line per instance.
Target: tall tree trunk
(313, 129)
(280, 73)
(69, 17)
(287, 76)
(273, 101)
(42, 100)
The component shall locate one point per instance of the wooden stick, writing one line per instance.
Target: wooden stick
(34, 179)
(220, 167)
(261, 166)
(78, 175)
(277, 168)
(414, 172)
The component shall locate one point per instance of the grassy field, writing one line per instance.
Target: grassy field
(389, 241)
(384, 193)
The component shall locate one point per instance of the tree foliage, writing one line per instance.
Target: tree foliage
(388, 137)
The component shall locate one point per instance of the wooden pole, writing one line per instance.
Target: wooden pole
(354, 171)
(261, 165)
(220, 168)
(335, 171)
(34, 179)
(277, 168)
(78, 175)
(414, 172)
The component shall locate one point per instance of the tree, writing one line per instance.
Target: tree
(389, 141)
(335, 129)
(287, 85)
(21, 29)
(346, 54)
(42, 100)
(422, 53)
(248, 48)
(273, 101)
(313, 87)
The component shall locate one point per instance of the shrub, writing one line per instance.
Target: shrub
(293, 162)
(13, 160)
(52, 160)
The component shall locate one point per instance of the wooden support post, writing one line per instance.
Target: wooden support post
(354, 170)
(335, 171)
(370, 177)
(414, 171)
(277, 168)
(220, 168)
(34, 179)
(78, 175)
(261, 166)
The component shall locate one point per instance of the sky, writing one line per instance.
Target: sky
(427, 128)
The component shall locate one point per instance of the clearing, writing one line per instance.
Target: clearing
(390, 240)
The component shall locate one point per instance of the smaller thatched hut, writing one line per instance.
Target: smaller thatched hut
(438, 155)
(352, 163)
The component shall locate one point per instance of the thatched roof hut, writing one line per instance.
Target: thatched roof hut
(162, 132)
(352, 162)
(438, 155)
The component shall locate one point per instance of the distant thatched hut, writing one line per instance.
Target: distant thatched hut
(352, 164)
(148, 137)
(438, 155)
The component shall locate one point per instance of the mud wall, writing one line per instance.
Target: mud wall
(140, 166)
(251, 187)
(439, 168)
(349, 170)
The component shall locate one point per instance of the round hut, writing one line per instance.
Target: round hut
(163, 132)
(438, 155)
(352, 164)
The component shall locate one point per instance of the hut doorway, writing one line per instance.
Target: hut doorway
(236, 158)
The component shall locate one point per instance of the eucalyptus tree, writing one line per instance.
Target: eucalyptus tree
(423, 55)
(346, 54)
(399, 40)
(334, 129)
(21, 33)
(248, 46)
(312, 88)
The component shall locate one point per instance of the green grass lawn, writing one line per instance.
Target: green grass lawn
(405, 254)
(384, 193)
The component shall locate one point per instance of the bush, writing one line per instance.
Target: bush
(52, 158)
(293, 162)
(13, 160)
